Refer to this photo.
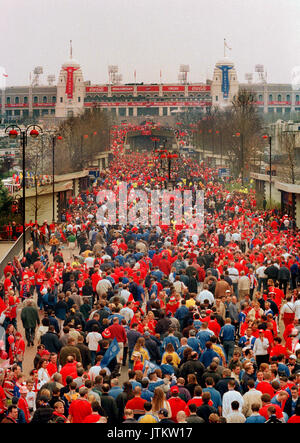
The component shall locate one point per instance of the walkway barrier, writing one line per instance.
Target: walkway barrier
(15, 250)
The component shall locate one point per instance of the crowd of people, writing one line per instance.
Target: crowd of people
(149, 324)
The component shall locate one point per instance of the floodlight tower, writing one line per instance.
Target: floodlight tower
(51, 79)
(261, 73)
(183, 71)
(38, 70)
(249, 78)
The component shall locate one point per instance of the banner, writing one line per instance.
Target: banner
(173, 88)
(199, 88)
(96, 89)
(225, 79)
(111, 352)
(152, 88)
(122, 88)
(279, 103)
(70, 80)
(193, 104)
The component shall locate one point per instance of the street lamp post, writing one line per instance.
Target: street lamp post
(241, 135)
(54, 137)
(269, 138)
(13, 132)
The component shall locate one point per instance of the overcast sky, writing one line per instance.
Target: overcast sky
(149, 36)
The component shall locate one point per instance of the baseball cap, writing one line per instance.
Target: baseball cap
(261, 330)
(136, 354)
(174, 389)
(293, 356)
(163, 412)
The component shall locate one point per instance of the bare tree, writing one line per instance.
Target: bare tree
(288, 165)
(82, 138)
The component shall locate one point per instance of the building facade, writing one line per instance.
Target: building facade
(72, 95)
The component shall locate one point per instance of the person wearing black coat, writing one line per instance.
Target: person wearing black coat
(43, 412)
(109, 405)
(205, 409)
(51, 341)
(152, 347)
(163, 324)
(293, 402)
(272, 272)
(192, 366)
(193, 284)
(222, 385)
(84, 351)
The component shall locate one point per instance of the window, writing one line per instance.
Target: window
(78, 99)
(17, 112)
(44, 111)
(217, 98)
(54, 99)
(279, 110)
(25, 99)
(279, 97)
(270, 98)
(44, 99)
(17, 100)
(297, 98)
(8, 100)
(61, 99)
(288, 98)
(260, 98)
(35, 99)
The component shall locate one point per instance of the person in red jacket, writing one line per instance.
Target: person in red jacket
(118, 331)
(136, 403)
(266, 402)
(165, 265)
(22, 403)
(80, 408)
(68, 369)
(176, 403)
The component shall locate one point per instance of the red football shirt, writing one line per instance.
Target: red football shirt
(79, 410)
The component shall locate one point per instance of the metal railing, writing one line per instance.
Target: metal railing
(15, 250)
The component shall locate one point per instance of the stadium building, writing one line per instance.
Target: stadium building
(73, 94)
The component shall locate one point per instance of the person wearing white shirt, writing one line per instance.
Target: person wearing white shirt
(234, 275)
(260, 349)
(230, 396)
(205, 294)
(236, 237)
(127, 312)
(95, 370)
(89, 261)
(262, 277)
(125, 294)
(297, 307)
(92, 340)
(228, 237)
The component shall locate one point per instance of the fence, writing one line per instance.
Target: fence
(14, 251)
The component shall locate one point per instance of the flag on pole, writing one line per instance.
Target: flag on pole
(151, 367)
(226, 46)
(111, 352)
